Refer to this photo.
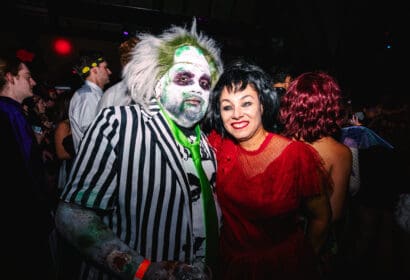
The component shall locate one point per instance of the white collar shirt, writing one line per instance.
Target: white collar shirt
(83, 109)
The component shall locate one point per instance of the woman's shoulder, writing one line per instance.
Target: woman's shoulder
(297, 145)
(329, 145)
(217, 142)
(63, 125)
(302, 152)
(290, 150)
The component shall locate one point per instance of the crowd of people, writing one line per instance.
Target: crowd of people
(194, 168)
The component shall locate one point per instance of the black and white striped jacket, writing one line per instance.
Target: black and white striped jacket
(129, 166)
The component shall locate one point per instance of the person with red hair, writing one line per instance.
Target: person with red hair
(311, 111)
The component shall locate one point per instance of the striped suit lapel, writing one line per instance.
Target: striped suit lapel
(161, 132)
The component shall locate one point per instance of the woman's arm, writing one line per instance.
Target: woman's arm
(319, 218)
(62, 130)
(340, 175)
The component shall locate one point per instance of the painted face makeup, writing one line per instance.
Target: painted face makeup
(184, 90)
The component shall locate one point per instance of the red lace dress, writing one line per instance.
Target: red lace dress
(260, 194)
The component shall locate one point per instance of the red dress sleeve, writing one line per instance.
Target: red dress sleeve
(312, 175)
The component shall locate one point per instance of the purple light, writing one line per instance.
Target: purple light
(125, 33)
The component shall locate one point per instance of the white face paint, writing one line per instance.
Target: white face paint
(184, 90)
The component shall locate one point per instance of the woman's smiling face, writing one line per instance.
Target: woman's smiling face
(241, 113)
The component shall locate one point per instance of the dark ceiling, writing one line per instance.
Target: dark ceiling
(349, 38)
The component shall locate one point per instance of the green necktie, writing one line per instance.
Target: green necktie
(211, 218)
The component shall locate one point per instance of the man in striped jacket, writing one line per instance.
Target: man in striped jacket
(139, 202)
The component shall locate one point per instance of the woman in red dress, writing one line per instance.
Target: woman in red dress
(265, 183)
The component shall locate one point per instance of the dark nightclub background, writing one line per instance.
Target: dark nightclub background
(360, 42)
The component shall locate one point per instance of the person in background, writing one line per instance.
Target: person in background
(311, 111)
(282, 76)
(139, 202)
(381, 247)
(118, 94)
(43, 127)
(30, 107)
(67, 258)
(26, 206)
(352, 118)
(265, 183)
(93, 69)
(63, 138)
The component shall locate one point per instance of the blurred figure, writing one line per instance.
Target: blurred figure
(381, 248)
(32, 106)
(63, 139)
(265, 183)
(43, 128)
(67, 258)
(352, 118)
(139, 202)
(118, 94)
(282, 76)
(93, 69)
(26, 209)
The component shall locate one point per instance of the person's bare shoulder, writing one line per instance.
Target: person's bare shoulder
(332, 151)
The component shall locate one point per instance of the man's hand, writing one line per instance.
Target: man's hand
(170, 270)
